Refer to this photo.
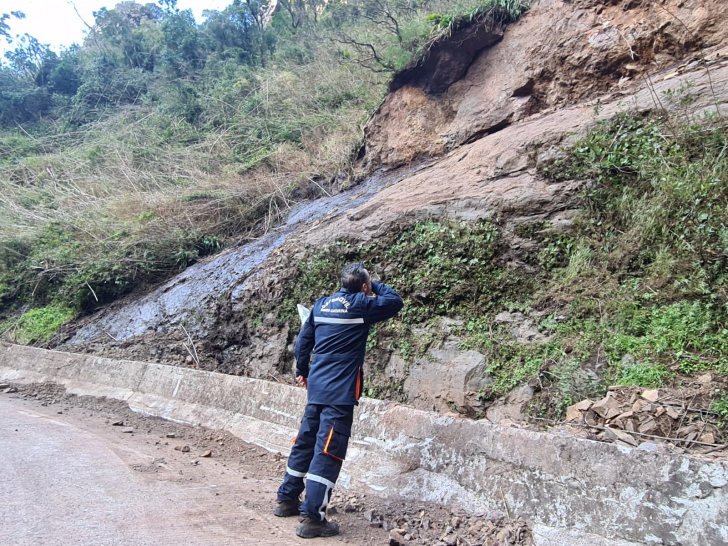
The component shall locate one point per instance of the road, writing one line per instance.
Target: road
(70, 478)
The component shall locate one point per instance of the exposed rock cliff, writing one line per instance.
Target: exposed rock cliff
(461, 136)
(559, 54)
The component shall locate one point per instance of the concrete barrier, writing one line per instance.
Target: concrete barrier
(572, 491)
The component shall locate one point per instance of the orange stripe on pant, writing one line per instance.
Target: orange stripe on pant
(326, 447)
(358, 384)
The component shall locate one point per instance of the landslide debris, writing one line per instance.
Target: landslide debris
(680, 420)
(607, 230)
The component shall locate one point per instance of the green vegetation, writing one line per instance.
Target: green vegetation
(720, 406)
(162, 139)
(442, 269)
(37, 325)
(649, 300)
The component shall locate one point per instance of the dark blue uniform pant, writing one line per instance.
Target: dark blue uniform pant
(317, 454)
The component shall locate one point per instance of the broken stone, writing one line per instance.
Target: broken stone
(651, 395)
(648, 427)
(613, 435)
(708, 438)
(671, 413)
(495, 517)
(396, 537)
(584, 405)
(574, 414)
(183, 449)
(639, 405)
(626, 438)
(127, 430)
(375, 524)
(591, 418)
(612, 413)
(660, 410)
(628, 360)
(369, 515)
(118, 423)
(207, 453)
(4, 386)
(684, 432)
(171, 435)
(502, 536)
(604, 405)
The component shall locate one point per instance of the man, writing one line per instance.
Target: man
(338, 327)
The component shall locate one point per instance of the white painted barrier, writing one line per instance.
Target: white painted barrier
(572, 491)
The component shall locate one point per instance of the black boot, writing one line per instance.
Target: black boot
(309, 528)
(287, 508)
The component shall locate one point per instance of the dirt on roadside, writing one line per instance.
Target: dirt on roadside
(363, 516)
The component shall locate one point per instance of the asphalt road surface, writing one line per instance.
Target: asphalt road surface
(72, 479)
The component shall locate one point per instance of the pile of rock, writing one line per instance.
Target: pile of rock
(630, 416)
(493, 529)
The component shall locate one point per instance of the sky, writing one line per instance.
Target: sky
(55, 22)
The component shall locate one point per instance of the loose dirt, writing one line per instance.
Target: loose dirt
(231, 473)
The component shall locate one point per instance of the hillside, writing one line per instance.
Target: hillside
(547, 193)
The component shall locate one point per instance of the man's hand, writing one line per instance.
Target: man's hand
(303, 381)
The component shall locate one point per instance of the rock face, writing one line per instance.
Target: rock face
(558, 54)
(445, 378)
(550, 77)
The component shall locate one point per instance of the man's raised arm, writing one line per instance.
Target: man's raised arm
(385, 305)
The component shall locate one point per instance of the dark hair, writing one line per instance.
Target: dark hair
(353, 276)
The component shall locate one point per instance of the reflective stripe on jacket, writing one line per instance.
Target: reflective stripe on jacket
(338, 327)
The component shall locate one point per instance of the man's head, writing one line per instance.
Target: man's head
(356, 279)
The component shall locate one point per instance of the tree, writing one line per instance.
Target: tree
(230, 34)
(28, 56)
(5, 28)
(255, 10)
(181, 44)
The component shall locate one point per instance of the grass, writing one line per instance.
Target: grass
(38, 325)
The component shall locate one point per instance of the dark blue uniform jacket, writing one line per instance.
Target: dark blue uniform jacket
(338, 327)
